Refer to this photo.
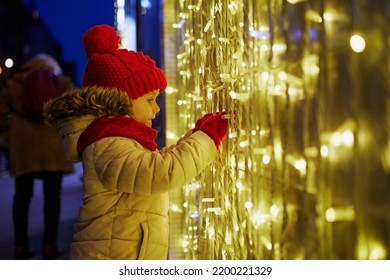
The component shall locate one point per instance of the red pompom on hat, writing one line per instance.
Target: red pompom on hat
(100, 39)
(108, 66)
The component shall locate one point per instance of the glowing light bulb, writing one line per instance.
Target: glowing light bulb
(244, 144)
(184, 243)
(175, 208)
(378, 253)
(345, 138)
(279, 48)
(171, 135)
(260, 35)
(264, 48)
(336, 139)
(329, 16)
(274, 210)
(266, 243)
(264, 132)
(264, 76)
(282, 75)
(357, 42)
(258, 219)
(248, 205)
(310, 65)
(266, 159)
(300, 164)
(340, 213)
(211, 232)
(233, 94)
(348, 138)
(239, 185)
(313, 16)
(9, 62)
(324, 151)
(228, 237)
(170, 90)
(194, 215)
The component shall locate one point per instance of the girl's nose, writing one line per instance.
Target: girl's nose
(156, 108)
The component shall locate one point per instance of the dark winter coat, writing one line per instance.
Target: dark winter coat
(33, 147)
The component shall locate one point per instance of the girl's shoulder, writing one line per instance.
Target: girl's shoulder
(116, 144)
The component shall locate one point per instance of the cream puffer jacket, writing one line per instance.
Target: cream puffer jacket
(125, 209)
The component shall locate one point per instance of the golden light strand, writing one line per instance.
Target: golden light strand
(297, 176)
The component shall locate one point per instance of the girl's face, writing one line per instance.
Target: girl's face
(145, 108)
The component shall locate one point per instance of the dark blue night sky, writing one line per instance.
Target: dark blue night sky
(68, 20)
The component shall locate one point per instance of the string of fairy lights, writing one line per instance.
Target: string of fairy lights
(303, 173)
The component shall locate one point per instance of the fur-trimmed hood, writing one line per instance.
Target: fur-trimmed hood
(75, 110)
(97, 101)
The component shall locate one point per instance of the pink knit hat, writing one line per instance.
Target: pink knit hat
(126, 70)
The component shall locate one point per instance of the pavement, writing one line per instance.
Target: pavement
(71, 201)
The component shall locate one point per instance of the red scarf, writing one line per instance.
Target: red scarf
(117, 126)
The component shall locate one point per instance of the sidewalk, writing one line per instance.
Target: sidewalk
(71, 200)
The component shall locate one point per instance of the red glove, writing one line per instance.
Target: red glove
(215, 127)
(200, 121)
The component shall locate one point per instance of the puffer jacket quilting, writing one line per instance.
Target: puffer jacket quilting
(125, 209)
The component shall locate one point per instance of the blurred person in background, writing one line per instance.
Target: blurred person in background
(34, 149)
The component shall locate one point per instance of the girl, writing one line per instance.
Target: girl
(108, 126)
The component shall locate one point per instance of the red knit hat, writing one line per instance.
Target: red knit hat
(126, 70)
